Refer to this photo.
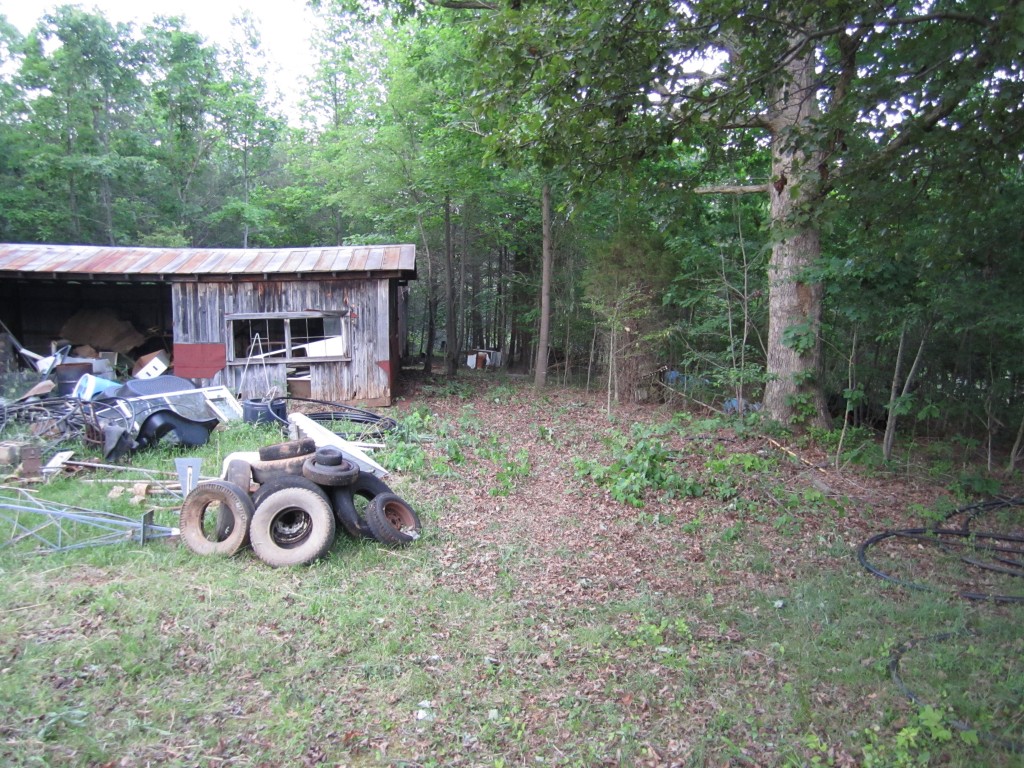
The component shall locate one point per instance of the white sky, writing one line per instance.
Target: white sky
(284, 27)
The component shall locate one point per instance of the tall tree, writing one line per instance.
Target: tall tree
(79, 72)
(186, 79)
(249, 129)
(544, 335)
(612, 80)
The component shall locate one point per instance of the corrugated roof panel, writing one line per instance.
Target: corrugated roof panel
(194, 261)
(227, 261)
(324, 260)
(142, 260)
(178, 259)
(276, 261)
(69, 260)
(27, 256)
(257, 261)
(392, 258)
(343, 260)
(305, 261)
(204, 262)
(114, 260)
(160, 265)
(374, 259)
(358, 263)
(80, 261)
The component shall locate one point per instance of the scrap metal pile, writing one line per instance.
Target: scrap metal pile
(288, 500)
(131, 417)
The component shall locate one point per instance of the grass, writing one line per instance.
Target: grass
(687, 633)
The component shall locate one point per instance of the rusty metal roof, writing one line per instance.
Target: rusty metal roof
(115, 262)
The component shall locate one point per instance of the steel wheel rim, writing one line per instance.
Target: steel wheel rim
(290, 527)
(399, 516)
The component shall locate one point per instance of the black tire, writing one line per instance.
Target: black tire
(288, 450)
(279, 482)
(238, 472)
(345, 473)
(329, 456)
(350, 504)
(393, 521)
(204, 536)
(293, 526)
(262, 471)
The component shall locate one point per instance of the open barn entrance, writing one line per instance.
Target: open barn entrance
(43, 313)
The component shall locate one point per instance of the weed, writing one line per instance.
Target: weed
(453, 388)
(733, 533)
(405, 457)
(641, 462)
(510, 470)
(913, 744)
(971, 485)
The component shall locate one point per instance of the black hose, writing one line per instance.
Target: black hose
(927, 535)
(340, 413)
(946, 538)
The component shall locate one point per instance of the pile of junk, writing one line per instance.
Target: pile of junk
(287, 499)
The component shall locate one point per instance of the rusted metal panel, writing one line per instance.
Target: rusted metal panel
(325, 260)
(178, 263)
(374, 259)
(199, 361)
(358, 262)
(21, 255)
(138, 260)
(305, 261)
(110, 260)
(277, 261)
(78, 263)
(205, 262)
(161, 263)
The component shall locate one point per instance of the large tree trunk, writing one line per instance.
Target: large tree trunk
(540, 376)
(428, 359)
(793, 393)
(451, 351)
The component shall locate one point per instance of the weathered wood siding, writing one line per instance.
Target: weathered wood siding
(200, 311)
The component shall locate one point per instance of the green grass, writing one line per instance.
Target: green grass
(479, 647)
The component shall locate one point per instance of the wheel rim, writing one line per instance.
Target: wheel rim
(290, 527)
(399, 516)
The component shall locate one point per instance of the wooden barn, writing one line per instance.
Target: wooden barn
(323, 323)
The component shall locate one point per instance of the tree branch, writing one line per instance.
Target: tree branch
(732, 189)
(478, 5)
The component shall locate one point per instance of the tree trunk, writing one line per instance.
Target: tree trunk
(452, 336)
(793, 393)
(895, 393)
(541, 373)
(431, 330)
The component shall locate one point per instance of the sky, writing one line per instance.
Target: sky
(284, 27)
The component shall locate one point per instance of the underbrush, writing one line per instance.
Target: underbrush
(654, 590)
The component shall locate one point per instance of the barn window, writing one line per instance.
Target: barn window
(292, 338)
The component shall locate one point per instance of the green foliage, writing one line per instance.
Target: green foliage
(801, 337)
(912, 745)
(511, 469)
(154, 136)
(640, 463)
(405, 457)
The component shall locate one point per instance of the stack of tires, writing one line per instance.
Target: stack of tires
(289, 504)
